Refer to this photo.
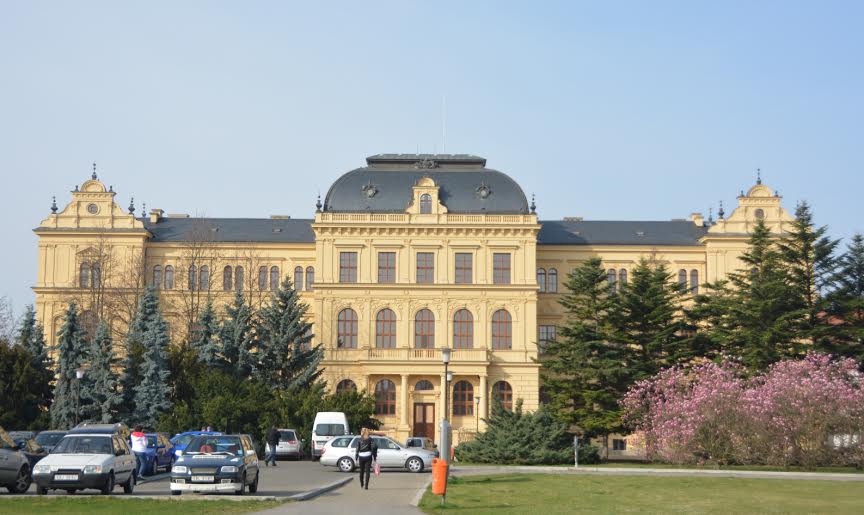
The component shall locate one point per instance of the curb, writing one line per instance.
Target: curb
(419, 495)
(311, 494)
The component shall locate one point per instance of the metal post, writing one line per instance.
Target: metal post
(576, 451)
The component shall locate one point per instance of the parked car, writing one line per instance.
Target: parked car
(18, 435)
(48, 439)
(340, 452)
(14, 466)
(422, 442)
(118, 428)
(327, 425)
(159, 454)
(290, 445)
(181, 440)
(95, 457)
(31, 449)
(225, 463)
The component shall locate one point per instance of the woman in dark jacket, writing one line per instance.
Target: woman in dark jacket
(366, 453)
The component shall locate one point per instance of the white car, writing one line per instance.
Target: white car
(341, 451)
(87, 459)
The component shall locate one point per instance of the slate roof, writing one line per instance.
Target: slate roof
(602, 232)
(460, 177)
(262, 230)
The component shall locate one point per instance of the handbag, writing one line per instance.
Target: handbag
(376, 468)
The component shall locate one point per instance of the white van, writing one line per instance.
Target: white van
(327, 425)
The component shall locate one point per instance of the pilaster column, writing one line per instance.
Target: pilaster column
(484, 404)
(403, 402)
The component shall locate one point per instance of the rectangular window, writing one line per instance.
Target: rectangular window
(387, 267)
(619, 444)
(464, 268)
(425, 267)
(546, 334)
(500, 268)
(347, 267)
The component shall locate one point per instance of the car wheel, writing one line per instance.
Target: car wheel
(346, 464)
(253, 488)
(109, 485)
(129, 485)
(176, 492)
(40, 490)
(22, 481)
(414, 464)
(70, 491)
(242, 490)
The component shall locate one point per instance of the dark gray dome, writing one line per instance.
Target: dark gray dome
(465, 185)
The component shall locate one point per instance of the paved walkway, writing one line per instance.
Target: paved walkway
(644, 471)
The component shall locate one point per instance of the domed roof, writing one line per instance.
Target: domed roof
(465, 185)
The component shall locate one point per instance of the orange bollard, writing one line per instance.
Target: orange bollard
(439, 476)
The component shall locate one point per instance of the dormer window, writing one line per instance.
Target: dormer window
(425, 204)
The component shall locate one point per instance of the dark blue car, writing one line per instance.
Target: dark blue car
(160, 453)
(181, 440)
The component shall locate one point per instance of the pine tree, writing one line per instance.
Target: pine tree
(148, 309)
(69, 350)
(25, 390)
(847, 303)
(285, 357)
(237, 337)
(584, 370)
(31, 336)
(152, 393)
(205, 338)
(102, 385)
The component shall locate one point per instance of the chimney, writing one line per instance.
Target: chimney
(697, 219)
(155, 215)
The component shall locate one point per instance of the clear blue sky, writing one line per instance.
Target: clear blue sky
(607, 110)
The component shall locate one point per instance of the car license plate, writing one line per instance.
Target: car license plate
(66, 477)
(202, 479)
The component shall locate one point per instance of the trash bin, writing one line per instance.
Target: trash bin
(439, 476)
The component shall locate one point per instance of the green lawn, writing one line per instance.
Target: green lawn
(632, 464)
(102, 505)
(551, 494)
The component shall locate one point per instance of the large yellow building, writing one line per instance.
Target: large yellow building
(405, 256)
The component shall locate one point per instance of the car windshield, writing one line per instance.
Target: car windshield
(84, 445)
(48, 438)
(329, 430)
(287, 436)
(182, 439)
(228, 445)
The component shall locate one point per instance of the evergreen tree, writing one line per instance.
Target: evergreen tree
(285, 357)
(584, 371)
(237, 337)
(31, 336)
(205, 338)
(152, 393)
(148, 309)
(70, 347)
(25, 389)
(101, 389)
(847, 303)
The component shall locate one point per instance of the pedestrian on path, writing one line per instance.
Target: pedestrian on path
(272, 442)
(366, 453)
(139, 448)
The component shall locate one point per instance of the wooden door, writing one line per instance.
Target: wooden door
(424, 420)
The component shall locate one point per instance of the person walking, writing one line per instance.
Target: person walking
(366, 453)
(272, 442)
(139, 448)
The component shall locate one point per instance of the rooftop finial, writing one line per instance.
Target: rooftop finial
(94, 171)
(53, 204)
(318, 204)
(710, 216)
(143, 209)
(758, 176)
(132, 206)
(533, 205)
(76, 187)
(720, 212)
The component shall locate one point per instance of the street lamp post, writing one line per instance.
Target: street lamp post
(79, 374)
(444, 437)
(477, 412)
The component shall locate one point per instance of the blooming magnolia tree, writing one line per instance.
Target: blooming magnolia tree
(807, 412)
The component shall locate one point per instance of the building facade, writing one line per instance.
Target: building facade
(405, 256)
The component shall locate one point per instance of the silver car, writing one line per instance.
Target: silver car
(340, 452)
(290, 445)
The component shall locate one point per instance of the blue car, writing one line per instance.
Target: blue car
(181, 440)
(160, 453)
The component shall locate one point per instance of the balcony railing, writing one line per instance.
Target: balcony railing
(444, 218)
(405, 354)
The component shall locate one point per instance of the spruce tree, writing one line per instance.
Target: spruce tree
(31, 336)
(70, 347)
(148, 309)
(847, 303)
(102, 385)
(152, 392)
(237, 337)
(205, 341)
(285, 357)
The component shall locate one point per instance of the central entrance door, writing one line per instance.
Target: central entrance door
(424, 420)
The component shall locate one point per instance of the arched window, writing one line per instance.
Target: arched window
(310, 278)
(694, 281)
(227, 279)
(423, 385)
(204, 278)
(463, 329)
(193, 276)
(463, 398)
(611, 278)
(169, 277)
(345, 386)
(622, 276)
(96, 275)
(298, 278)
(502, 330)
(157, 276)
(385, 398)
(84, 275)
(274, 278)
(425, 204)
(88, 324)
(385, 329)
(541, 279)
(682, 280)
(347, 329)
(503, 393)
(552, 281)
(424, 330)
(262, 278)
(239, 278)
